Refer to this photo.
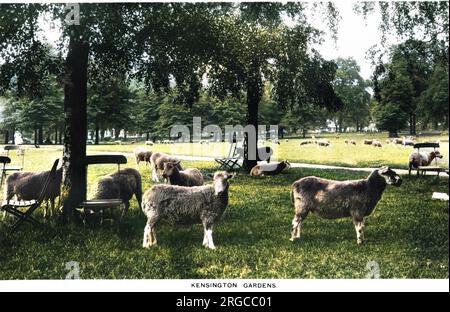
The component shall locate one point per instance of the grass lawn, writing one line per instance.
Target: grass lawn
(407, 236)
(338, 154)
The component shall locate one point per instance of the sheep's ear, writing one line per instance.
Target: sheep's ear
(230, 175)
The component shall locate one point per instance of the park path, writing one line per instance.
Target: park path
(293, 165)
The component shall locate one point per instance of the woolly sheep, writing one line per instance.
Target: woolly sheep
(340, 199)
(186, 205)
(186, 177)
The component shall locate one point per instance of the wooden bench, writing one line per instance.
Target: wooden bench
(98, 206)
(425, 169)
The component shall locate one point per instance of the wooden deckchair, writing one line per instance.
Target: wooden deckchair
(232, 160)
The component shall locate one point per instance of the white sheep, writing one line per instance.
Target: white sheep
(186, 205)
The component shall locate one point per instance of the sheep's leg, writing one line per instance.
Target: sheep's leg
(207, 239)
(359, 227)
(147, 243)
(52, 206)
(46, 209)
(155, 174)
(297, 225)
(153, 239)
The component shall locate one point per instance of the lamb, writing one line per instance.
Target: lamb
(367, 142)
(142, 154)
(186, 205)
(376, 143)
(186, 177)
(269, 169)
(397, 141)
(419, 159)
(340, 199)
(158, 160)
(123, 184)
(28, 186)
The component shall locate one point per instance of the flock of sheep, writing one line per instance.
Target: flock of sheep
(186, 200)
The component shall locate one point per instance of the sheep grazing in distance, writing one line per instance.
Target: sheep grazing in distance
(331, 199)
(157, 161)
(409, 141)
(28, 186)
(269, 169)
(376, 143)
(142, 154)
(123, 184)
(397, 141)
(352, 142)
(367, 142)
(307, 142)
(387, 141)
(324, 143)
(186, 205)
(186, 177)
(149, 143)
(422, 159)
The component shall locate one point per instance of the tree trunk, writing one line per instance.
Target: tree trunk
(56, 136)
(74, 177)
(60, 140)
(147, 136)
(253, 99)
(116, 134)
(36, 136)
(412, 124)
(97, 133)
(40, 135)
(304, 133)
(6, 137)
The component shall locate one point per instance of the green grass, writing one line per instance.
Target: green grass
(338, 154)
(407, 235)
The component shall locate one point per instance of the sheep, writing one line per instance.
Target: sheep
(419, 159)
(397, 141)
(142, 154)
(186, 205)
(28, 186)
(324, 143)
(352, 142)
(149, 143)
(308, 142)
(186, 177)
(387, 141)
(123, 184)
(269, 169)
(367, 142)
(409, 141)
(376, 143)
(157, 161)
(340, 199)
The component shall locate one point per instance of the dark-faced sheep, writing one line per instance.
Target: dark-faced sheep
(422, 159)
(269, 169)
(158, 160)
(186, 205)
(330, 199)
(142, 154)
(186, 177)
(28, 186)
(121, 185)
(367, 142)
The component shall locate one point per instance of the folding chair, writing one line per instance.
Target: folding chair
(20, 151)
(23, 210)
(3, 161)
(98, 206)
(235, 154)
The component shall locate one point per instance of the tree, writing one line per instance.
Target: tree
(352, 90)
(389, 117)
